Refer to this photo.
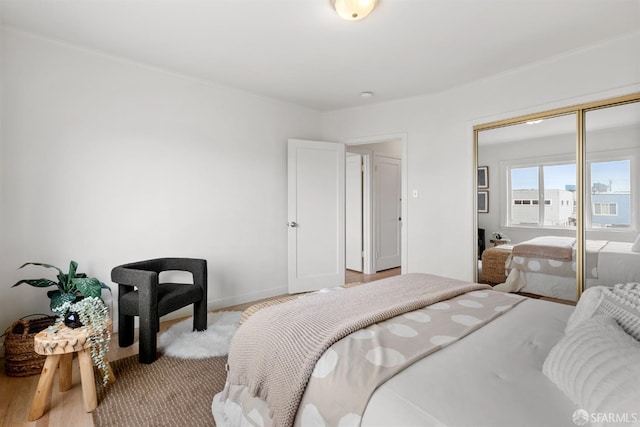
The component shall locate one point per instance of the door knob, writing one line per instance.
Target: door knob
(293, 224)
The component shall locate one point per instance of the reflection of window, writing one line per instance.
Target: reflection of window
(542, 194)
(609, 209)
(533, 202)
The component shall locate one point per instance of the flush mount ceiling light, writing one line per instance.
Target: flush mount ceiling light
(353, 10)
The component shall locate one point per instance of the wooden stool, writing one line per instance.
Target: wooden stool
(59, 349)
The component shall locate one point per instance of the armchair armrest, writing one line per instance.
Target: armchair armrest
(124, 275)
(145, 273)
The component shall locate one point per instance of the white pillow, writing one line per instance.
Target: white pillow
(621, 302)
(586, 307)
(597, 365)
(636, 244)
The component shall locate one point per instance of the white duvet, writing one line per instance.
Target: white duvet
(493, 377)
(617, 263)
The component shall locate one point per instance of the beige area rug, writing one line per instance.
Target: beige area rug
(168, 392)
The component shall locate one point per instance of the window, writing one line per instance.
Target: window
(609, 209)
(544, 194)
(551, 207)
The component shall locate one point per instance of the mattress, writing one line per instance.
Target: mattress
(492, 377)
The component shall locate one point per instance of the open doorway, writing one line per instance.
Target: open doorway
(356, 277)
(316, 187)
(374, 209)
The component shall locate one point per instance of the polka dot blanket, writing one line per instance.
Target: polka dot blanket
(383, 327)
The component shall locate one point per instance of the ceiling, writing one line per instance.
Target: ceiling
(618, 116)
(300, 51)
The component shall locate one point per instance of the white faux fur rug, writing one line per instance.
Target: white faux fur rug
(181, 341)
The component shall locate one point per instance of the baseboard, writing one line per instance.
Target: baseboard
(219, 303)
(245, 298)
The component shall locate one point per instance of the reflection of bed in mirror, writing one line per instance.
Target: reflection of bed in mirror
(535, 171)
(546, 266)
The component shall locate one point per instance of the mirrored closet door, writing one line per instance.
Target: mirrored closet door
(612, 194)
(532, 198)
(555, 199)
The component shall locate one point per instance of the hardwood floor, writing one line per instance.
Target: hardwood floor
(354, 276)
(67, 408)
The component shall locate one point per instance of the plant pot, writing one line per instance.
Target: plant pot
(72, 319)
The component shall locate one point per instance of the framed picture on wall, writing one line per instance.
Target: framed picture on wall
(483, 177)
(483, 202)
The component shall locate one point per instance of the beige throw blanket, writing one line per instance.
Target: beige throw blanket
(546, 247)
(275, 351)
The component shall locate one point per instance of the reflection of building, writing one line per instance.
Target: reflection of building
(611, 209)
(558, 209)
(608, 209)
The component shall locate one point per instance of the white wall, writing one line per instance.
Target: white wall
(441, 234)
(105, 161)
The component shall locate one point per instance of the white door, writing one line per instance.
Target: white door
(316, 212)
(388, 212)
(353, 202)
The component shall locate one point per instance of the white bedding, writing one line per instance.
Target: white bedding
(492, 377)
(540, 284)
(617, 263)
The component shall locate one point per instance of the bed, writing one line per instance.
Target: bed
(488, 373)
(546, 266)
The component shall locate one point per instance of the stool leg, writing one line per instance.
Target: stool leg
(87, 379)
(65, 380)
(44, 387)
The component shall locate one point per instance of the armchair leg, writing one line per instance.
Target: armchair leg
(125, 330)
(200, 316)
(148, 340)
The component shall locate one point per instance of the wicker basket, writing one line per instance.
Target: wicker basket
(20, 358)
(493, 265)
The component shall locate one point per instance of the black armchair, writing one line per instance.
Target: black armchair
(152, 299)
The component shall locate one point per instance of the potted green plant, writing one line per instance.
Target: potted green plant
(94, 317)
(71, 285)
